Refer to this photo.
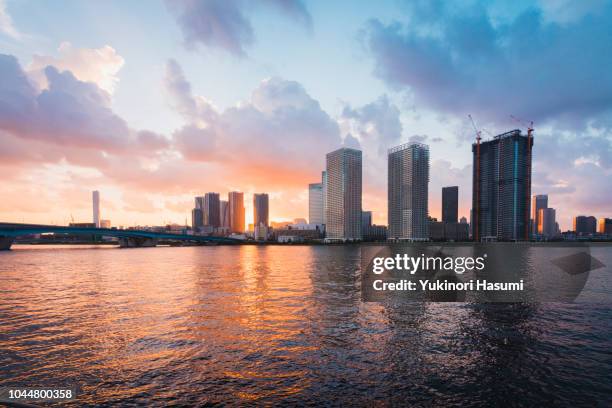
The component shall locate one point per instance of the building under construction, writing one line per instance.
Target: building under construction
(501, 188)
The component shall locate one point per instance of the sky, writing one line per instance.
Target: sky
(155, 102)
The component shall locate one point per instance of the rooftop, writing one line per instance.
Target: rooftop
(407, 146)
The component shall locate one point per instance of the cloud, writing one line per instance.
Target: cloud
(377, 124)
(567, 11)
(196, 143)
(138, 202)
(98, 65)
(193, 108)
(545, 62)
(463, 61)
(222, 24)
(574, 169)
(280, 129)
(69, 112)
(6, 23)
(351, 141)
(373, 128)
(418, 138)
(295, 9)
(180, 206)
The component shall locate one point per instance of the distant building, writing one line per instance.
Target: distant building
(343, 195)
(309, 232)
(224, 221)
(540, 202)
(305, 226)
(370, 232)
(375, 232)
(366, 218)
(448, 231)
(105, 224)
(210, 210)
(197, 219)
(450, 204)
(95, 197)
(456, 231)
(236, 212)
(300, 221)
(324, 184)
(199, 202)
(463, 220)
(605, 226)
(547, 224)
(315, 203)
(290, 239)
(261, 232)
(280, 224)
(82, 225)
(501, 187)
(585, 225)
(408, 183)
(260, 210)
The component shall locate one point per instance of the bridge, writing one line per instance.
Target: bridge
(127, 238)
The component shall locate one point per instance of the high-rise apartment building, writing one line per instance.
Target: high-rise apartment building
(366, 218)
(95, 196)
(450, 204)
(260, 210)
(605, 226)
(501, 187)
(210, 210)
(408, 185)
(315, 203)
(547, 223)
(197, 218)
(324, 184)
(584, 225)
(540, 202)
(224, 221)
(343, 194)
(236, 211)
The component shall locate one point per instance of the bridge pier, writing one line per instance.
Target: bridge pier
(137, 242)
(5, 243)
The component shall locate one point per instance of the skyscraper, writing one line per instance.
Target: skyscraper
(315, 203)
(605, 226)
(343, 195)
(408, 186)
(224, 221)
(95, 196)
(540, 202)
(199, 202)
(260, 209)
(324, 184)
(196, 219)
(585, 224)
(547, 224)
(450, 204)
(501, 187)
(366, 219)
(236, 211)
(210, 210)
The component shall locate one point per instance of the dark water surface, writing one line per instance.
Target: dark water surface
(282, 325)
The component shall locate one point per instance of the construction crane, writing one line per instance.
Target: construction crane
(477, 209)
(530, 129)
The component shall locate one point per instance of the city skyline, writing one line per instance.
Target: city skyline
(243, 108)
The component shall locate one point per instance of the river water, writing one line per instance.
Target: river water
(282, 325)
